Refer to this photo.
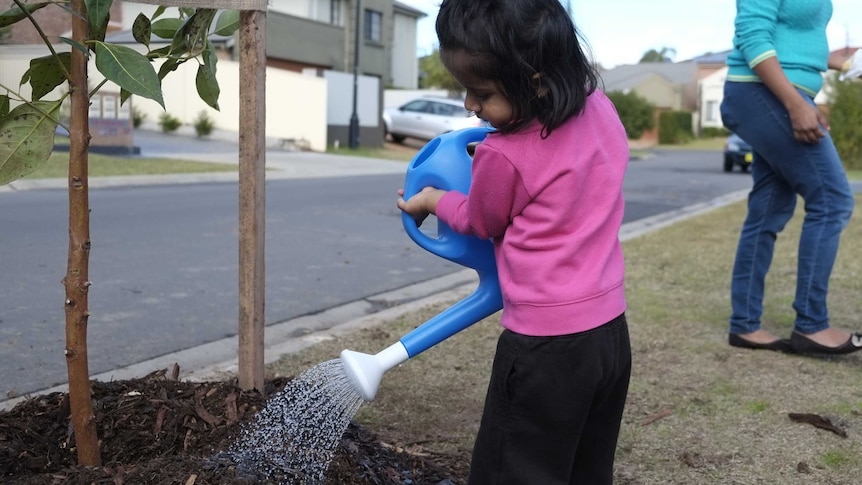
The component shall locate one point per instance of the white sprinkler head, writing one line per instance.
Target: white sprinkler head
(365, 371)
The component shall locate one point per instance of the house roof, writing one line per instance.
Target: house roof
(712, 57)
(622, 78)
(408, 10)
(839, 55)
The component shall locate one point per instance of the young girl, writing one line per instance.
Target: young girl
(547, 188)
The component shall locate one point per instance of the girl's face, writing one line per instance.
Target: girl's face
(485, 97)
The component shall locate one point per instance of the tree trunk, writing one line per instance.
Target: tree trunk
(77, 281)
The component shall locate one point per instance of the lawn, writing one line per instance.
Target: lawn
(106, 166)
(699, 411)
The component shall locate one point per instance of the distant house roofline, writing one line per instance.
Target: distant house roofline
(408, 10)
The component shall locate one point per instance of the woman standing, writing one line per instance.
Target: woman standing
(774, 72)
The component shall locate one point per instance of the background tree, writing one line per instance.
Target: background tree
(27, 129)
(845, 118)
(636, 113)
(666, 54)
(433, 75)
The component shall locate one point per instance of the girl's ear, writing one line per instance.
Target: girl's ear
(541, 90)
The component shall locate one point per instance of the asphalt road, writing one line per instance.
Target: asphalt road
(164, 257)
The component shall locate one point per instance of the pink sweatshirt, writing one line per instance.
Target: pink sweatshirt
(554, 208)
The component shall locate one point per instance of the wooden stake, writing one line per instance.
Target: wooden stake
(252, 198)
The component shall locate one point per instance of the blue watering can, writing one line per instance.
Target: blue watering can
(443, 163)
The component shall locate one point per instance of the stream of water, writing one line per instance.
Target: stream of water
(294, 437)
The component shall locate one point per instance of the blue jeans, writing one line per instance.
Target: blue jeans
(781, 169)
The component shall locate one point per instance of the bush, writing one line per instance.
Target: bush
(169, 123)
(845, 118)
(712, 132)
(203, 124)
(636, 113)
(138, 118)
(674, 127)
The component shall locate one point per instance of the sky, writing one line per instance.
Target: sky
(621, 31)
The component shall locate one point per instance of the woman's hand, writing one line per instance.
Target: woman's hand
(420, 205)
(807, 121)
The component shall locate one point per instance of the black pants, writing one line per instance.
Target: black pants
(553, 411)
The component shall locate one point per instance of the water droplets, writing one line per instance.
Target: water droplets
(293, 439)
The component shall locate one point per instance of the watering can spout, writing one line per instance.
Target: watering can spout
(365, 371)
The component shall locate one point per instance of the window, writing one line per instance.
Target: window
(373, 19)
(335, 12)
(711, 111)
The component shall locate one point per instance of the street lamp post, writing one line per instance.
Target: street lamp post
(353, 130)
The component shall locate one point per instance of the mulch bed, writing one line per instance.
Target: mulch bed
(159, 430)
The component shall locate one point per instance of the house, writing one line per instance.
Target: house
(311, 38)
(668, 86)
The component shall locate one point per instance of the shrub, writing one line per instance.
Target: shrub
(713, 132)
(138, 118)
(845, 118)
(636, 113)
(674, 127)
(169, 123)
(203, 124)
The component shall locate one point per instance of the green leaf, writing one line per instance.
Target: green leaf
(76, 45)
(124, 95)
(170, 65)
(166, 28)
(159, 11)
(99, 12)
(46, 73)
(207, 85)
(227, 23)
(142, 29)
(4, 106)
(27, 138)
(161, 52)
(130, 70)
(15, 14)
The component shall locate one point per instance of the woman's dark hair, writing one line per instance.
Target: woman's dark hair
(511, 41)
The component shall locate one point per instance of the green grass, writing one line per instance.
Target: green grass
(108, 166)
(698, 144)
(406, 154)
(698, 411)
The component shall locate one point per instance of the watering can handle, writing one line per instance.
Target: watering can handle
(450, 150)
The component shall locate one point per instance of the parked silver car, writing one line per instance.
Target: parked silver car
(427, 118)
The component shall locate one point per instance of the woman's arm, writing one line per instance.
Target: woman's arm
(807, 121)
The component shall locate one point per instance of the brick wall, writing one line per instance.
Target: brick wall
(54, 22)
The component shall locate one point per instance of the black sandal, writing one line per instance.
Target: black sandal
(805, 345)
(779, 345)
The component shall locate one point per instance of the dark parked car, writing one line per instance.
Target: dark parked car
(737, 153)
(427, 118)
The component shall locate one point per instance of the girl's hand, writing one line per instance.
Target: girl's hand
(420, 205)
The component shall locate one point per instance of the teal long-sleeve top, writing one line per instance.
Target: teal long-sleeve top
(794, 31)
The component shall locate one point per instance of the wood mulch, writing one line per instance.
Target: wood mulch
(158, 430)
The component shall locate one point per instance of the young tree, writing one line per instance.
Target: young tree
(27, 137)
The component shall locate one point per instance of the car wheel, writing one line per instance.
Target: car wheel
(728, 164)
(745, 168)
(397, 138)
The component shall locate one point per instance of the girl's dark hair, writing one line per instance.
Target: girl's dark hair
(511, 41)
